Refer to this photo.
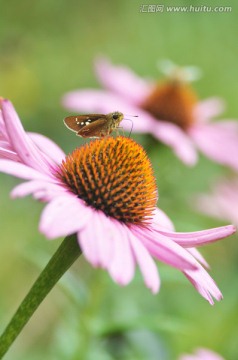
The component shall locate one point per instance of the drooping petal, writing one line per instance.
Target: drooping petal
(21, 142)
(22, 171)
(108, 247)
(105, 244)
(164, 249)
(4, 144)
(198, 238)
(100, 101)
(96, 240)
(3, 131)
(218, 141)
(88, 246)
(48, 147)
(122, 81)
(204, 284)
(122, 264)
(64, 216)
(177, 139)
(8, 154)
(207, 109)
(197, 255)
(146, 264)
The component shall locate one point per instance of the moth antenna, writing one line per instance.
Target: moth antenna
(130, 115)
(131, 125)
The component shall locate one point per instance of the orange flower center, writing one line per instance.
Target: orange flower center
(172, 101)
(113, 175)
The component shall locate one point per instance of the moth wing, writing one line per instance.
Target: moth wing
(94, 117)
(72, 123)
(93, 129)
(77, 122)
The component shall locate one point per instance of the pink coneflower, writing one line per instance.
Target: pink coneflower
(105, 192)
(169, 110)
(202, 354)
(222, 202)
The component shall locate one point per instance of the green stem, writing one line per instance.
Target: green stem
(61, 261)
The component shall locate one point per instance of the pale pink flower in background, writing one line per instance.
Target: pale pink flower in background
(201, 354)
(222, 202)
(179, 121)
(105, 192)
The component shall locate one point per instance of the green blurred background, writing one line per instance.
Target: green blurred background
(46, 49)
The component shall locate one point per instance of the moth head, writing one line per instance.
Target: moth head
(116, 116)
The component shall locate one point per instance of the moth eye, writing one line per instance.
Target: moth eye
(115, 116)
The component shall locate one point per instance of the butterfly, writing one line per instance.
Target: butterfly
(94, 125)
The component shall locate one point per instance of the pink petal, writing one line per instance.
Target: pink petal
(106, 244)
(198, 238)
(3, 131)
(207, 109)
(46, 195)
(165, 249)
(63, 216)
(96, 240)
(146, 264)
(20, 141)
(104, 102)
(8, 154)
(48, 147)
(22, 171)
(205, 354)
(122, 264)
(196, 254)
(161, 220)
(204, 284)
(86, 240)
(4, 144)
(46, 189)
(122, 81)
(202, 354)
(177, 139)
(218, 141)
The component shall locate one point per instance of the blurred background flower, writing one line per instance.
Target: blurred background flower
(222, 201)
(201, 354)
(46, 50)
(168, 110)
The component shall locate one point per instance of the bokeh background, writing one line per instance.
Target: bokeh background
(48, 47)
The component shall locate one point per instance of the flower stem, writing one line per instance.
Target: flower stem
(61, 261)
